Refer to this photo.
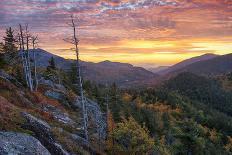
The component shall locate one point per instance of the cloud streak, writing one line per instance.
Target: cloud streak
(121, 28)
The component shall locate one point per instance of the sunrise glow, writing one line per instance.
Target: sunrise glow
(144, 33)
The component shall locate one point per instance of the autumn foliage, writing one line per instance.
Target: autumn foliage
(131, 138)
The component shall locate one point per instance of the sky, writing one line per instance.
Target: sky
(145, 33)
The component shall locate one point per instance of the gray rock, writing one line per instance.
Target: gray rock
(43, 133)
(60, 87)
(94, 112)
(80, 140)
(59, 115)
(4, 75)
(20, 144)
(52, 84)
(23, 98)
(54, 95)
(46, 82)
(10, 78)
(37, 122)
(57, 95)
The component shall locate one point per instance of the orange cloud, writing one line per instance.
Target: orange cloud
(161, 32)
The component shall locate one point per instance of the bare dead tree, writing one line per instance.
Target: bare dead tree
(75, 41)
(34, 42)
(84, 111)
(24, 42)
(22, 52)
(28, 58)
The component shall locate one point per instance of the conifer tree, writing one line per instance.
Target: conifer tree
(52, 64)
(9, 43)
(2, 61)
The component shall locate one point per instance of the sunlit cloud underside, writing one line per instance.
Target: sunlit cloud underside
(142, 32)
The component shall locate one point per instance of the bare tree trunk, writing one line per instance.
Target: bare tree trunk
(22, 50)
(28, 61)
(84, 110)
(35, 63)
(25, 56)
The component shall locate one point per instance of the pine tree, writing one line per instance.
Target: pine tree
(10, 42)
(73, 73)
(2, 61)
(52, 64)
(52, 72)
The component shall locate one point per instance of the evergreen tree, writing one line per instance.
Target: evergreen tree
(52, 72)
(2, 61)
(10, 43)
(52, 64)
(72, 74)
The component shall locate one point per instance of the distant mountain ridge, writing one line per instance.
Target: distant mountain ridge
(158, 69)
(211, 67)
(43, 58)
(126, 74)
(102, 72)
(187, 62)
(206, 65)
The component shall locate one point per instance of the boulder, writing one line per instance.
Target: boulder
(20, 144)
(42, 131)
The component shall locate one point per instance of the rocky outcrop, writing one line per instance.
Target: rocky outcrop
(57, 95)
(59, 115)
(54, 95)
(95, 113)
(10, 78)
(20, 144)
(42, 131)
(52, 84)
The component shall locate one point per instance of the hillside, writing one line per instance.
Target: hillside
(158, 69)
(120, 73)
(188, 114)
(102, 72)
(44, 122)
(187, 62)
(43, 58)
(202, 89)
(215, 66)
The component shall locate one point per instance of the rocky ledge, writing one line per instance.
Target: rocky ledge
(20, 144)
(43, 133)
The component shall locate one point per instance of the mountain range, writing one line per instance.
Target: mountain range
(102, 72)
(125, 74)
(158, 69)
(187, 62)
(211, 67)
